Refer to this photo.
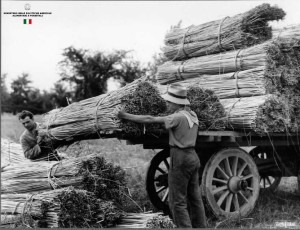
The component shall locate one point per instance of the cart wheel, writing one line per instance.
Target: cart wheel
(157, 180)
(230, 183)
(267, 182)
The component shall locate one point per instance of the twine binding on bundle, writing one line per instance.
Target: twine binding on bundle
(96, 119)
(228, 114)
(52, 183)
(237, 91)
(29, 199)
(182, 47)
(52, 118)
(219, 34)
(180, 70)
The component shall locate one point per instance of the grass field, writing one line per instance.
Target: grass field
(276, 209)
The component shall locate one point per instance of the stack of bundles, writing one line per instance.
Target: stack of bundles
(230, 33)
(268, 68)
(98, 114)
(274, 56)
(11, 153)
(63, 208)
(91, 173)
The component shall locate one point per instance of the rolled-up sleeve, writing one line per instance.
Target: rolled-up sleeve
(171, 121)
(29, 151)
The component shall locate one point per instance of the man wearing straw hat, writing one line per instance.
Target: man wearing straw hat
(31, 142)
(183, 176)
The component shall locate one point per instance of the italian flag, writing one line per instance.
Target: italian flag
(27, 21)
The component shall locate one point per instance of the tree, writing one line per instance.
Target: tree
(5, 97)
(60, 95)
(88, 72)
(158, 59)
(20, 90)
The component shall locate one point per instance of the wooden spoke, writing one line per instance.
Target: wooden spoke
(223, 173)
(219, 189)
(236, 202)
(227, 167)
(264, 180)
(162, 171)
(222, 198)
(219, 180)
(243, 196)
(268, 179)
(161, 189)
(247, 177)
(167, 163)
(166, 195)
(228, 202)
(234, 165)
(241, 170)
(249, 188)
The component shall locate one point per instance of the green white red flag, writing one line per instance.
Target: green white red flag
(27, 21)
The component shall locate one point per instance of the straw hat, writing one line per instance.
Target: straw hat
(176, 94)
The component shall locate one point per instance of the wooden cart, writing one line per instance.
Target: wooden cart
(235, 166)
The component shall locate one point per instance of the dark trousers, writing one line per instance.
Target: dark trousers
(184, 192)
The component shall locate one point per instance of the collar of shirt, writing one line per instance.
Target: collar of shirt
(190, 116)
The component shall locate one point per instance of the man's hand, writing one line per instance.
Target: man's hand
(121, 113)
(39, 140)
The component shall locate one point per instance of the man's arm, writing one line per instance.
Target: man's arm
(30, 152)
(145, 119)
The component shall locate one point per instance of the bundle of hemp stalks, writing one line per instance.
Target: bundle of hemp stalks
(63, 208)
(279, 57)
(11, 153)
(261, 114)
(230, 33)
(145, 220)
(96, 115)
(92, 173)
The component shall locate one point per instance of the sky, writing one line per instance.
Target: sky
(139, 26)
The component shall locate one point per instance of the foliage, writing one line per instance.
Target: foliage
(79, 208)
(145, 100)
(20, 90)
(89, 72)
(160, 222)
(206, 105)
(5, 96)
(106, 180)
(59, 95)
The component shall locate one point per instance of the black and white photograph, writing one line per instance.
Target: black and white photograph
(150, 114)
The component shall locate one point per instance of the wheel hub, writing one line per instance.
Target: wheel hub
(235, 184)
(162, 180)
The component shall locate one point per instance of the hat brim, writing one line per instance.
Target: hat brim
(175, 100)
